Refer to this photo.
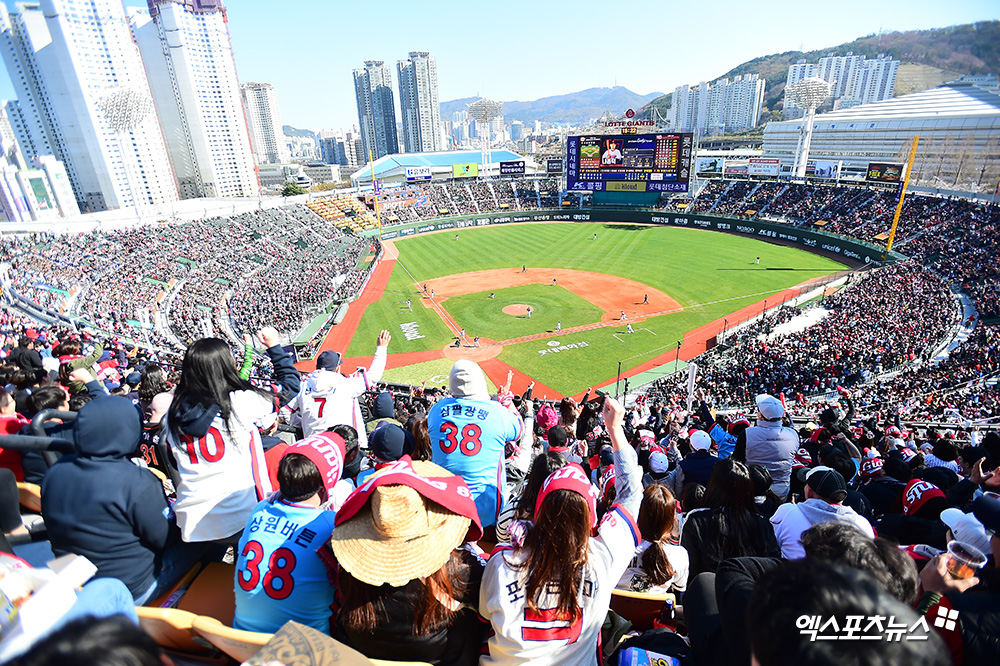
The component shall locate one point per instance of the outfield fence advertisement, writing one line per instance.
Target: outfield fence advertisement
(464, 170)
(850, 250)
(710, 166)
(763, 166)
(511, 168)
(884, 172)
(417, 174)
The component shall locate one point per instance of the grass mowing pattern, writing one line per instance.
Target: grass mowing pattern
(549, 304)
(692, 265)
(390, 312)
(435, 373)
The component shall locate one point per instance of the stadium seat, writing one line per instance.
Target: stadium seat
(170, 598)
(639, 608)
(240, 645)
(170, 628)
(30, 496)
(212, 593)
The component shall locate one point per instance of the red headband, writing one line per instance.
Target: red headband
(570, 477)
(326, 451)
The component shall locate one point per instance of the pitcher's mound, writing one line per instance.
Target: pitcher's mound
(515, 310)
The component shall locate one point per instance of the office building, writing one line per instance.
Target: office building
(719, 107)
(189, 58)
(854, 80)
(260, 102)
(376, 110)
(83, 97)
(418, 101)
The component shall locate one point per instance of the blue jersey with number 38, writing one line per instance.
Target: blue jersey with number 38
(467, 438)
(279, 576)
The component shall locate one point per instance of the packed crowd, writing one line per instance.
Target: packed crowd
(369, 526)
(177, 272)
(886, 318)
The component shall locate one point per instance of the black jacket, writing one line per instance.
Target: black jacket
(98, 504)
(702, 537)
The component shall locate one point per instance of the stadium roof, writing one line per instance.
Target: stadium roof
(389, 163)
(949, 100)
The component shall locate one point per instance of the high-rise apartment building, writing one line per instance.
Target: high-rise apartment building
(376, 109)
(189, 58)
(719, 107)
(854, 80)
(267, 136)
(84, 98)
(418, 101)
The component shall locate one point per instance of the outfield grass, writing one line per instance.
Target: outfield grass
(549, 304)
(390, 312)
(709, 273)
(435, 373)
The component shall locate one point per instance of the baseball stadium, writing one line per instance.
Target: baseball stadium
(709, 379)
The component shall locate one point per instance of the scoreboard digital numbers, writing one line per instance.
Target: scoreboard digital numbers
(629, 163)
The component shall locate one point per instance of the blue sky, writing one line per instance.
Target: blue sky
(523, 50)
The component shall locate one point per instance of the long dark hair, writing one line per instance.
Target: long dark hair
(656, 522)
(730, 497)
(153, 383)
(208, 376)
(541, 467)
(556, 549)
(364, 607)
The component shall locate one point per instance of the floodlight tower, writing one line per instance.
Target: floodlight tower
(484, 111)
(807, 94)
(125, 108)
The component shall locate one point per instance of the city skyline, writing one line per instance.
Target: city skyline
(526, 64)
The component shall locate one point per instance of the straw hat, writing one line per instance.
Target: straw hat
(402, 537)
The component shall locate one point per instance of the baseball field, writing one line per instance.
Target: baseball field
(628, 296)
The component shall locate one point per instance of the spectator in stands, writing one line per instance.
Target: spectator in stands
(825, 493)
(920, 521)
(383, 413)
(388, 444)
(99, 505)
(280, 574)
(70, 355)
(562, 572)
(468, 436)
(810, 589)
(328, 398)
(769, 443)
(153, 381)
(660, 564)
(696, 467)
(408, 588)
(211, 431)
(26, 357)
(726, 523)
(11, 423)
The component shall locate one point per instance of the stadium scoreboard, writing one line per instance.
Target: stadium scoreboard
(636, 163)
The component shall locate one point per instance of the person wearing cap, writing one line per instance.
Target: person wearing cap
(883, 486)
(825, 492)
(920, 521)
(696, 467)
(769, 443)
(328, 398)
(659, 470)
(547, 596)
(383, 412)
(468, 435)
(280, 576)
(388, 444)
(408, 586)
